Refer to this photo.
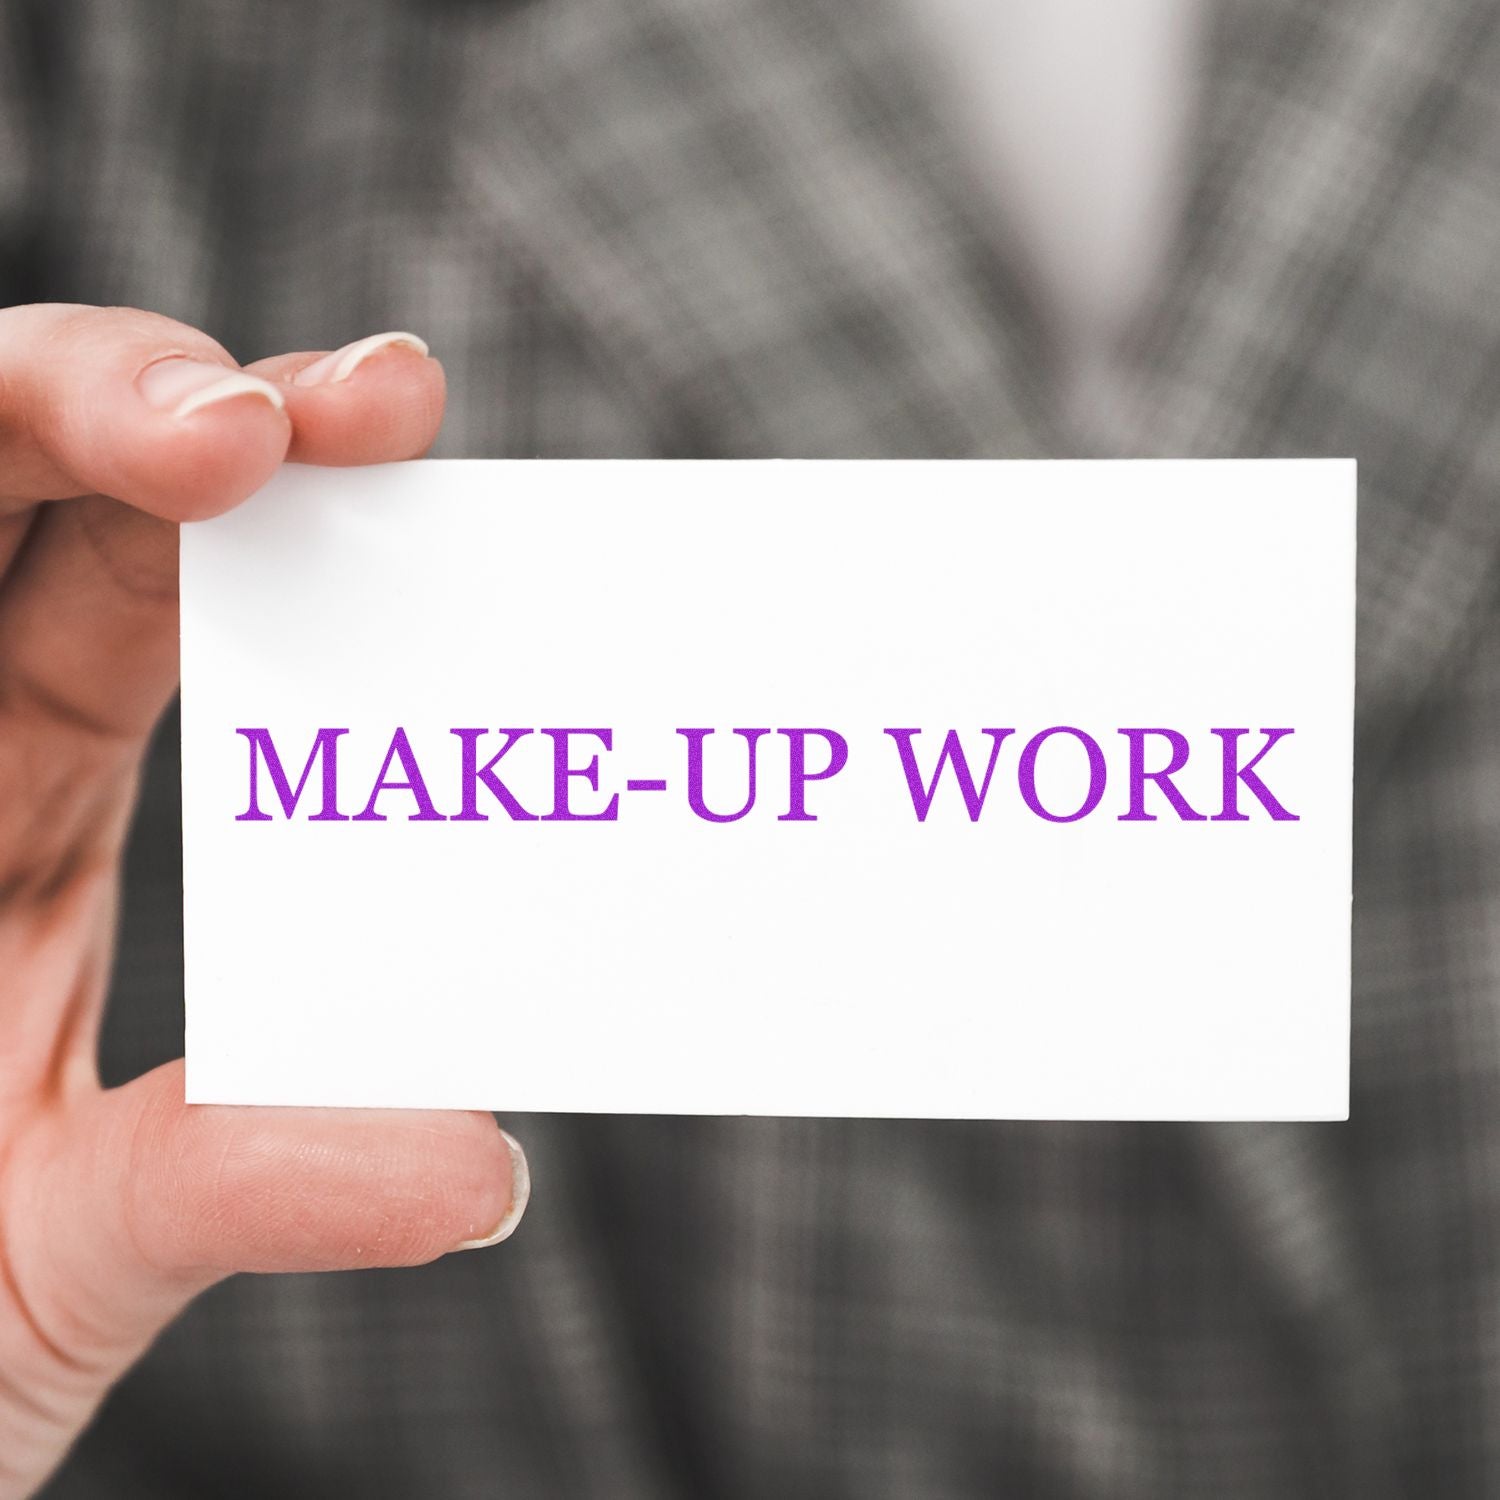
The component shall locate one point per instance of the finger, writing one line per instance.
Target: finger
(376, 400)
(129, 1205)
(130, 404)
(88, 626)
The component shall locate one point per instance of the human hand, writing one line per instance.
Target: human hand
(117, 1206)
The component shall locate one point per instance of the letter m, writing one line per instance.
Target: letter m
(263, 749)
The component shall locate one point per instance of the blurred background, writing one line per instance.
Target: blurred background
(904, 228)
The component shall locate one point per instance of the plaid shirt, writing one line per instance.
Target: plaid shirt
(736, 228)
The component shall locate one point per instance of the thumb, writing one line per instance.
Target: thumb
(120, 1209)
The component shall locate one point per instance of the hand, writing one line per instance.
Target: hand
(118, 1206)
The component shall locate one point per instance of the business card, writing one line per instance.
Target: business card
(980, 789)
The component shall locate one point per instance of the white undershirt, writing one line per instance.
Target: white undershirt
(1078, 113)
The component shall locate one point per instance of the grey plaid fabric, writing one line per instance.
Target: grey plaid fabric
(737, 227)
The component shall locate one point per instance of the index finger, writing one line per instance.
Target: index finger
(125, 403)
(129, 404)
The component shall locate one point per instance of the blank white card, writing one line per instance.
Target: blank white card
(895, 789)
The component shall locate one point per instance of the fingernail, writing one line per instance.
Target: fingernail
(342, 363)
(182, 386)
(520, 1192)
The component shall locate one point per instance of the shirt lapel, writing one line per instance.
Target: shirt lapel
(1334, 295)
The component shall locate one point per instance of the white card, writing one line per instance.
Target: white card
(603, 919)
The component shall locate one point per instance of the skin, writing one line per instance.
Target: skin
(118, 1206)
